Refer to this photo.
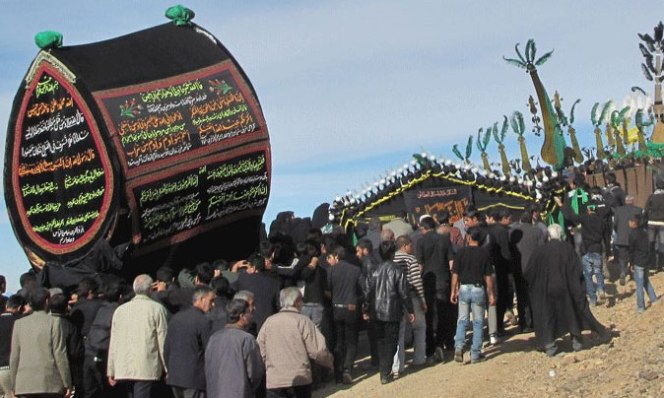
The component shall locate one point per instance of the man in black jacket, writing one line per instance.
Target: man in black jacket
(386, 291)
(593, 227)
(501, 257)
(434, 252)
(370, 262)
(345, 288)
(265, 287)
(184, 348)
(12, 312)
(96, 345)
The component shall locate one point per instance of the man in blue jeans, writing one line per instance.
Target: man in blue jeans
(471, 272)
(638, 258)
(592, 227)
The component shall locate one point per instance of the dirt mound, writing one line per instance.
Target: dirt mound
(628, 366)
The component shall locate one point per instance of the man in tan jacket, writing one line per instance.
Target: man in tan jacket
(136, 349)
(38, 360)
(288, 341)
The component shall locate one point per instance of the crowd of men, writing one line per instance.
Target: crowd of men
(287, 318)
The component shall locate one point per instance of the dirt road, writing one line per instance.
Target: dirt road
(632, 365)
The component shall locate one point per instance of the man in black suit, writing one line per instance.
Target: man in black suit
(434, 252)
(184, 348)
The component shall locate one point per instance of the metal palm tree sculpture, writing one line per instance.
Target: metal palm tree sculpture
(469, 150)
(618, 121)
(578, 156)
(482, 143)
(601, 154)
(519, 127)
(501, 147)
(652, 49)
(553, 149)
(640, 124)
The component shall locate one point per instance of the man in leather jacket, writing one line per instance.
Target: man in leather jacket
(370, 262)
(386, 291)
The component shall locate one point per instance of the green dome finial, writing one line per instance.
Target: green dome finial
(48, 39)
(180, 14)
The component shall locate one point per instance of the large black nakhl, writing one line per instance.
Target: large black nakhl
(139, 151)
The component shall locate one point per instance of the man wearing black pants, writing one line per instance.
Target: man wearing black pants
(344, 287)
(386, 291)
(501, 258)
(434, 252)
(370, 261)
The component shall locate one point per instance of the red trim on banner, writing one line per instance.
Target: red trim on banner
(101, 151)
(194, 164)
(226, 66)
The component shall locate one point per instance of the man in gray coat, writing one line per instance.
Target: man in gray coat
(136, 349)
(38, 360)
(233, 364)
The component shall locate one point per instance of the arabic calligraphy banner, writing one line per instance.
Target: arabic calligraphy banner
(434, 201)
(155, 138)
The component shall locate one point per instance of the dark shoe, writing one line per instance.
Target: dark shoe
(347, 378)
(480, 358)
(385, 379)
(458, 356)
(622, 280)
(438, 354)
(417, 366)
(525, 330)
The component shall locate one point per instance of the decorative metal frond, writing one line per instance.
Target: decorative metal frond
(644, 50)
(543, 58)
(469, 147)
(487, 139)
(661, 78)
(646, 72)
(615, 119)
(623, 113)
(515, 62)
(650, 65)
(651, 46)
(494, 130)
(605, 111)
(646, 37)
(639, 89)
(529, 52)
(518, 53)
(455, 149)
(558, 108)
(533, 50)
(593, 114)
(516, 121)
(480, 141)
(571, 112)
(519, 118)
(659, 31)
(503, 129)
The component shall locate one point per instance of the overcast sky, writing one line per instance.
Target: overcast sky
(351, 89)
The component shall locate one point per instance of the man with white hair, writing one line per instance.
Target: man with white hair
(559, 304)
(188, 333)
(136, 349)
(288, 341)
